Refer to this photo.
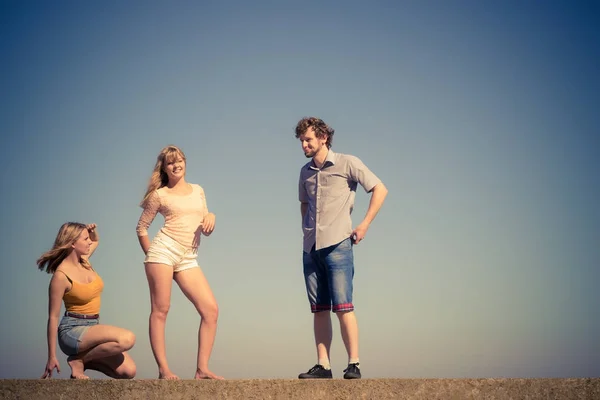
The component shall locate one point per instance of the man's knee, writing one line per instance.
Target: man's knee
(345, 314)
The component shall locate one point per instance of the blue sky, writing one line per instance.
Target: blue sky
(480, 118)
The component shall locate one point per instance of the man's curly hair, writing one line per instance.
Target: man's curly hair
(322, 130)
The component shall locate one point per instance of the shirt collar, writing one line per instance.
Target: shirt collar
(329, 160)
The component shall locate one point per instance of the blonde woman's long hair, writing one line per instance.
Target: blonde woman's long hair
(159, 177)
(68, 234)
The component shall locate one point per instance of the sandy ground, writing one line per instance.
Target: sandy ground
(296, 389)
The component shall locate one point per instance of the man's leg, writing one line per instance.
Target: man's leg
(317, 290)
(349, 329)
(340, 268)
(323, 336)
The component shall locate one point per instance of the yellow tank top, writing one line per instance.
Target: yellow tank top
(84, 298)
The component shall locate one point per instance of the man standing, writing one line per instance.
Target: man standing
(327, 188)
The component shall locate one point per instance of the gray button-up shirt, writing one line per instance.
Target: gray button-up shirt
(329, 193)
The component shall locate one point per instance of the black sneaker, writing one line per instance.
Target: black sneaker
(352, 372)
(317, 372)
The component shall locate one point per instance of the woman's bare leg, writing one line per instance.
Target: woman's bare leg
(99, 341)
(160, 278)
(119, 366)
(195, 287)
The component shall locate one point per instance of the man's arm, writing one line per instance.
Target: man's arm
(378, 194)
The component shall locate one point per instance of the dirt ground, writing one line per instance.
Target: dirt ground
(151, 389)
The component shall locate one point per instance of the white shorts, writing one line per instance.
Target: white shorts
(164, 250)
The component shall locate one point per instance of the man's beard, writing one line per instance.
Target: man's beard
(310, 153)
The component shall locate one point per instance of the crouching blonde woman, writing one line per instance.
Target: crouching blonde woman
(87, 343)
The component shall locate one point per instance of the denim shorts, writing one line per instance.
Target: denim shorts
(328, 276)
(165, 250)
(71, 331)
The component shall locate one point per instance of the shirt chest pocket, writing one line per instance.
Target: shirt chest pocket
(333, 185)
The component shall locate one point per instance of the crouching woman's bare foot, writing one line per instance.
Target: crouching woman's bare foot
(77, 368)
(206, 374)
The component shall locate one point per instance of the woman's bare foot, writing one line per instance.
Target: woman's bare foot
(77, 368)
(168, 375)
(206, 375)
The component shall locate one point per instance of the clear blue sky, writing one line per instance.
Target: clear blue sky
(480, 117)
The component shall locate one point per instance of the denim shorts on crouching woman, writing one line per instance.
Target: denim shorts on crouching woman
(71, 331)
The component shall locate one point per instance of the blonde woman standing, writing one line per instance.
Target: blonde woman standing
(87, 343)
(172, 255)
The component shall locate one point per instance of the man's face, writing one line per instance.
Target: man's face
(311, 144)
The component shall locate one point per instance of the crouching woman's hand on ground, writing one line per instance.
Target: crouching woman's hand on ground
(50, 365)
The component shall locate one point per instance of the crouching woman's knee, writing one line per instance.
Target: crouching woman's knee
(127, 370)
(130, 371)
(126, 341)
